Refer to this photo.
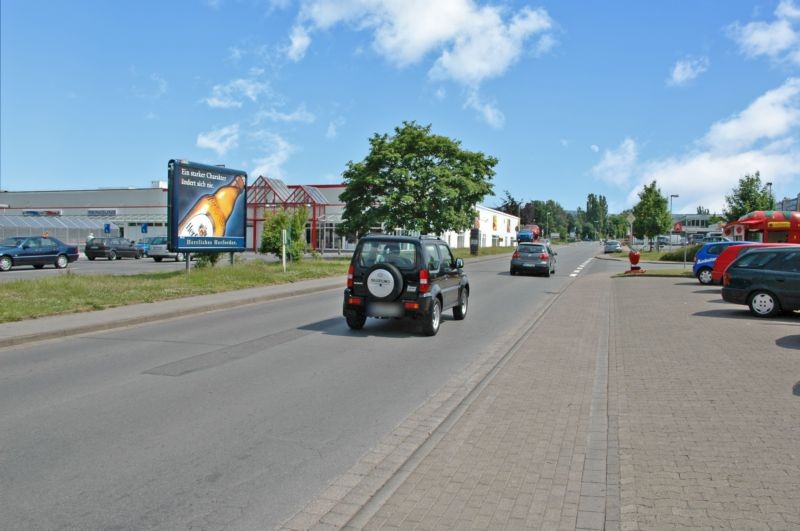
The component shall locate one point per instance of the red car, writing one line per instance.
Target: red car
(730, 254)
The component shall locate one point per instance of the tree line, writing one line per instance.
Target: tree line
(420, 182)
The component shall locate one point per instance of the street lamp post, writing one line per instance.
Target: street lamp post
(771, 203)
(670, 219)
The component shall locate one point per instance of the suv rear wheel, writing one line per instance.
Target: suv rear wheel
(356, 322)
(384, 282)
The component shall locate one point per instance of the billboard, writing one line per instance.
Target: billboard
(206, 207)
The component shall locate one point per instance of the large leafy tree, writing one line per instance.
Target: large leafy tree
(652, 213)
(750, 195)
(416, 181)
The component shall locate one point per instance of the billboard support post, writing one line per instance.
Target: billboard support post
(283, 249)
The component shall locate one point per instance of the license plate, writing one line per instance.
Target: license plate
(529, 265)
(385, 309)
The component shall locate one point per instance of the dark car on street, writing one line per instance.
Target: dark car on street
(537, 258)
(112, 249)
(404, 277)
(767, 280)
(36, 251)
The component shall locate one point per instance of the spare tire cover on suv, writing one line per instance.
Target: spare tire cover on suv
(384, 282)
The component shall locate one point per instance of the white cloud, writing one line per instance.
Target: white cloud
(616, 167)
(770, 116)
(221, 140)
(470, 43)
(763, 137)
(333, 127)
(279, 151)
(233, 94)
(301, 114)
(486, 47)
(487, 111)
(687, 70)
(441, 93)
(299, 43)
(777, 40)
(595, 148)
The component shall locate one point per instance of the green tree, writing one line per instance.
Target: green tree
(272, 235)
(652, 213)
(750, 195)
(416, 181)
(703, 211)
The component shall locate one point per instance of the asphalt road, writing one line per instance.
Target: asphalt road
(232, 418)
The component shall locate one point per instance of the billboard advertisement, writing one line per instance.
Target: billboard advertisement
(206, 207)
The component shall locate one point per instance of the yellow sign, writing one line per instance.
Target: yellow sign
(778, 224)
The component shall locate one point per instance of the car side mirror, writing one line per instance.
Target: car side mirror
(459, 263)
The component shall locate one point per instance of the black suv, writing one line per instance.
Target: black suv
(404, 277)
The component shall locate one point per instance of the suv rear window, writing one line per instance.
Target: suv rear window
(400, 254)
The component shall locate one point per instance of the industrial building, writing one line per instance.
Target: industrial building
(72, 215)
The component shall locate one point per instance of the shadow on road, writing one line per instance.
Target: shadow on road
(789, 342)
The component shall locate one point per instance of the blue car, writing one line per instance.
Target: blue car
(706, 257)
(144, 245)
(36, 251)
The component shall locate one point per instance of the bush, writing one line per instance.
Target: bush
(294, 224)
(677, 255)
(206, 259)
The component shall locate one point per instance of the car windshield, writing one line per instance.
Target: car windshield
(531, 249)
(401, 254)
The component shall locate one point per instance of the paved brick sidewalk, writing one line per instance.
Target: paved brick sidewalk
(643, 403)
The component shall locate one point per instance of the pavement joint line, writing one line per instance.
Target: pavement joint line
(360, 519)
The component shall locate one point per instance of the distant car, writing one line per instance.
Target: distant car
(705, 258)
(144, 245)
(766, 280)
(537, 258)
(696, 238)
(612, 246)
(159, 251)
(711, 239)
(662, 240)
(36, 251)
(731, 253)
(112, 249)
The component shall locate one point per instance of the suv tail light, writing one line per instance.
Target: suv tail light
(544, 256)
(350, 276)
(424, 285)
(515, 255)
(726, 278)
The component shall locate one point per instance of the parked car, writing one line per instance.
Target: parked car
(159, 251)
(404, 277)
(144, 245)
(766, 280)
(112, 249)
(36, 251)
(712, 239)
(706, 256)
(727, 256)
(696, 238)
(538, 258)
(612, 246)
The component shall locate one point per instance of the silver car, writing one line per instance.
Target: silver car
(612, 246)
(158, 250)
(538, 258)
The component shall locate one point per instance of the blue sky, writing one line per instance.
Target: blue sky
(572, 97)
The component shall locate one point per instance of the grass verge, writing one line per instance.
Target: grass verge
(68, 293)
(681, 273)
